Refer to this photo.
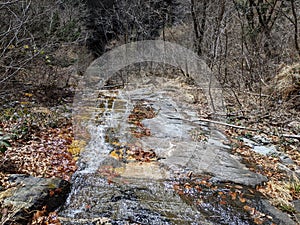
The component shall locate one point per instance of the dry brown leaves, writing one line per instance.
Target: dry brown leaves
(45, 155)
(265, 165)
(130, 152)
(271, 119)
(140, 112)
(42, 217)
(280, 189)
(202, 193)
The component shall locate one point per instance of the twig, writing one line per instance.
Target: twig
(254, 94)
(245, 128)
(226, 124)
(291, 136)
(98, 219)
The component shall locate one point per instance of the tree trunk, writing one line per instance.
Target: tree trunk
(199, 28)
(295, 27)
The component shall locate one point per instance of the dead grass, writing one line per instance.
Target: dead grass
(282, 193)
(286, 84)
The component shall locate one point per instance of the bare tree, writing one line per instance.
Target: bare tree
(295, 23)
(293, 19)
(199, 23)
(31, 28)
(245, 41)
(126, 21)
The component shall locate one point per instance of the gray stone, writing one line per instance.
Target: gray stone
(144, 201)
(288, 171)
(137, 191)
(261, 145)
(266, 150)
(297, 208)
(249, 142)
(297, 205)
(278, 216)
(32, 193)
(256, 141)
(286, 160)
(172, 141)
(206, 158)
(262, 140)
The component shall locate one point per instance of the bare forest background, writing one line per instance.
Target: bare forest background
(251, 46)
(247, 43)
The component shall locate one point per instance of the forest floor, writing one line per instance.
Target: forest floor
(41, 142)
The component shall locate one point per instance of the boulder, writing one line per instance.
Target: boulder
(278, 216)
(30, 194)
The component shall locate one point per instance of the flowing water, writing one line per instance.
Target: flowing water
(146, 144)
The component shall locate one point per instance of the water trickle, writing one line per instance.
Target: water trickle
(143, 138)
(96, 148)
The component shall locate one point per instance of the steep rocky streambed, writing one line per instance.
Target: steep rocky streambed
(149, 160)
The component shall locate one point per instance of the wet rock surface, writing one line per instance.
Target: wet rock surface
(146, 160)
(176, 136)
(31, 194)
(278, 216)
(262, 146)
(127, 201)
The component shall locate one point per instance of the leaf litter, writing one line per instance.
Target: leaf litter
(273, 120)
(41, 146)
(50, 152)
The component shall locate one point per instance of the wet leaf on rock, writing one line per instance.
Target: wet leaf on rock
(76, 147)
(133, 153)
(42, 217)
(140, 112)
(225, 198)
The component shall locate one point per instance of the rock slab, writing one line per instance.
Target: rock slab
(31, 194)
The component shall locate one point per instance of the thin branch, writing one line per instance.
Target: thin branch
(244, 128)
(291, 136)
(295, 26)
(225, 124)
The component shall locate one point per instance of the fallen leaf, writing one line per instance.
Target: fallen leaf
(233, 195)
(242, 200)
(258, 221)
(223, 202)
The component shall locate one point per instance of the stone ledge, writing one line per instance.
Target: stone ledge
(31, 194)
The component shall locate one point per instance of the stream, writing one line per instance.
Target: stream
(150, 160)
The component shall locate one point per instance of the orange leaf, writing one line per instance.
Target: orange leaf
(198, 188)
(242, 200)
(51, 193)
(249, 209)
(258, 221)
(223, 202)
(233, 195)
(176, 187)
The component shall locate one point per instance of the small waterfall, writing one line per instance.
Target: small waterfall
(111, 113)
(95, 151)
(131, 195)
(113, 184)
